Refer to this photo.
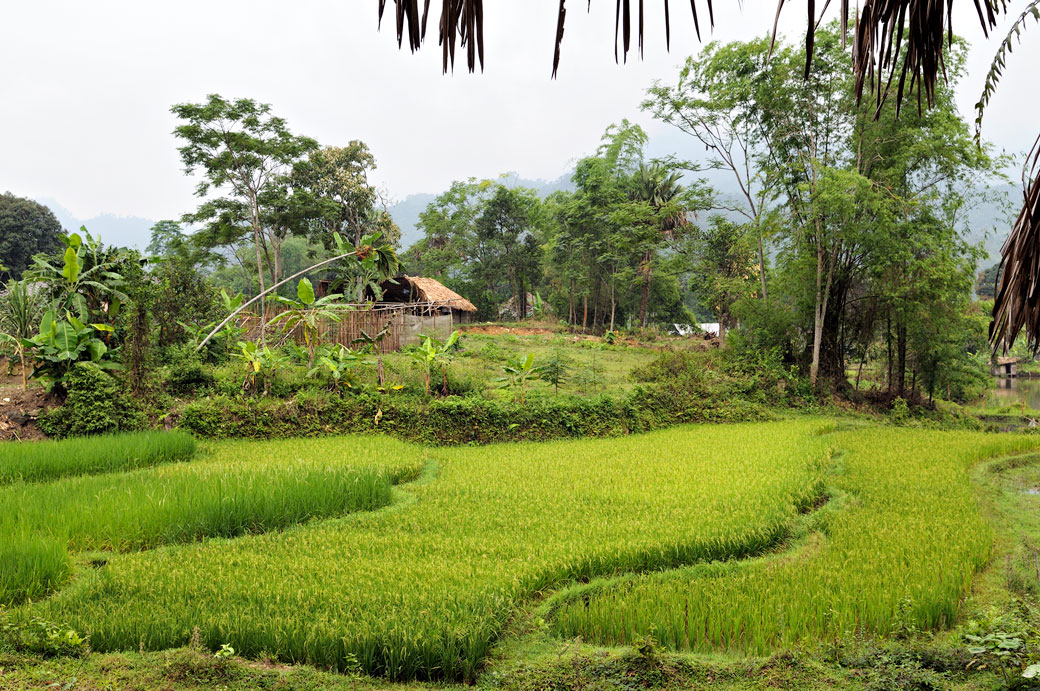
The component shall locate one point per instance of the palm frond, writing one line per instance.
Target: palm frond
(1017, 302)
(996, 70)
(462, 26)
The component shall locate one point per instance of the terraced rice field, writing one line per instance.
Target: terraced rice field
(419, 580)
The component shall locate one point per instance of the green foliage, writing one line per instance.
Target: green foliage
(21, 309)
(463, 420)
(50, 460)
(39, 637)
(239, 146)
(89, 280)
(62, 344)
(27, 228)
(33, 567)
(94, 405)
(432, 353)
(189, 377)
(262, 365)
(338, 365)
(484, 534)
(243, 491)
(873, 573)
(518, 374)
(307, 313)
(556, 369)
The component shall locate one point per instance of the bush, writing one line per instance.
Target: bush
(189, 379)
(459, 420)
(94, 405)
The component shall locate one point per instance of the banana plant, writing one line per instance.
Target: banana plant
(431, 353)
(518, 374)
(61, 343)
(306, 313)
(262, 365)
(340, 365)
(88, 282)
(21, 308)
(372, 344)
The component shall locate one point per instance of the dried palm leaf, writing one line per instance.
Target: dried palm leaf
(1017, 301)
(996, 70)
(462, 25)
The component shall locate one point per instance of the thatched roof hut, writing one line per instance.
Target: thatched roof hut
(427, 291)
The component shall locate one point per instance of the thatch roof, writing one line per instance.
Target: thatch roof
(433, 291)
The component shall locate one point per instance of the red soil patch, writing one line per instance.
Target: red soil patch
(495, 330)
(20, 410)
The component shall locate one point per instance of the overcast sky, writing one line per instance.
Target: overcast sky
(87, 86)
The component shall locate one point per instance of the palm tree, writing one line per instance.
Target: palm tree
(659, 187)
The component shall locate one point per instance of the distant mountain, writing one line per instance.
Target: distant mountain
(114, 230)
(406, 212)
(987, 224)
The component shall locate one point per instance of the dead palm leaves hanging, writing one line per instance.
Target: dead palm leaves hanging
(462, 25)
(896, 43)
(1016, 303)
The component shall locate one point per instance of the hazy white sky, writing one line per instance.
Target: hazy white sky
(87, 87)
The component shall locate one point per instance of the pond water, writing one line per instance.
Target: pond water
(1015, 392)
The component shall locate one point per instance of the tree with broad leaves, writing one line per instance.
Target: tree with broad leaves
(240, 148)
(26, 228)
(896, 44)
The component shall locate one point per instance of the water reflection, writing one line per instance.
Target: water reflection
(1014, 392)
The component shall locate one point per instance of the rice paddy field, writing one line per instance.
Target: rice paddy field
(409, 562)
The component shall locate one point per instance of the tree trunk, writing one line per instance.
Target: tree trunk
(254, 210)
(818, 315)
(613, 304)
(888, 341)
(25, 377)
(644, 298)
(862, 360)
(901, 362)
(761, 261)
(584, 312)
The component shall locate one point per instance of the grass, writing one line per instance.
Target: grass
(637, 536)
(423, 589)
(242, 489)
(594, 367)
(900, 556)
(43, 461)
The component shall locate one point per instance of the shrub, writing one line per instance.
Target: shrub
(94, 405)
(459, 420)
(189, 379)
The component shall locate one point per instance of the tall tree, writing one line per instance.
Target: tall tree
(338, 178)
(246, 153)
(716, 102)
(26, 228)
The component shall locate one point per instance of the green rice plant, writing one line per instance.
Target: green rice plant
(900, 555)
(423, 588)
(233, 494)
(30, 567)
(43, 461)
